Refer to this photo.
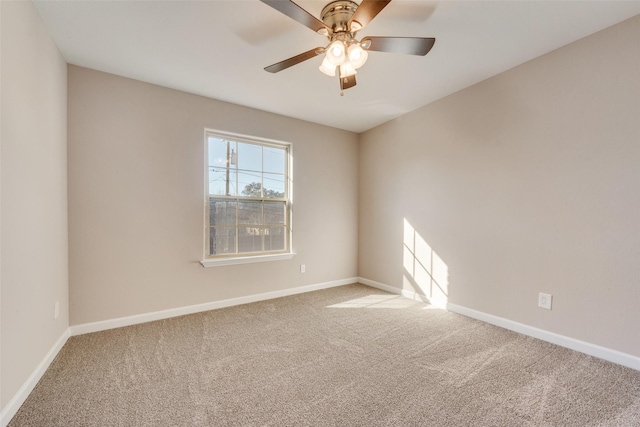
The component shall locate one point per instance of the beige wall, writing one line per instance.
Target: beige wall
(136, 199)
(526, 182)
(34, 195)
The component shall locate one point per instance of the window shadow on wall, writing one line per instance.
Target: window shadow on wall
(424, 270)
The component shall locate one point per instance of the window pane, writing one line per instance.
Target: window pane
(217, 179)
(249, 212)
(217, 152)
(274, 238)
(273, 186)
(218, 185)
(249, 239)
(222, 165)
(249, 156)
(249, 184)
(274, 213)
(222, 240)
(222, 212)
(233, 184)
(274, 160)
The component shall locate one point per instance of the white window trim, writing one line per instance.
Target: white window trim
(248, 258)
(219, 262)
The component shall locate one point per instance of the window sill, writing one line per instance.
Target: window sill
(219, 262)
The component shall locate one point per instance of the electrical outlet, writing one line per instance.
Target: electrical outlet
(303, 268)
(544, 300)
(56, 310)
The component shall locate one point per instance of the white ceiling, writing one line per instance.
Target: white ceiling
(219, 48)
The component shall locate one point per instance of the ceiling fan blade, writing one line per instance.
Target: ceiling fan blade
(367, 10)
(296, 13)
(347, 82)
(283, 65)
(408, 45)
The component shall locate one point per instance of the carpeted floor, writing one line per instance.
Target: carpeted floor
(347, 356)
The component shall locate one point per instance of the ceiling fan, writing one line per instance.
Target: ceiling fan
(341, 20)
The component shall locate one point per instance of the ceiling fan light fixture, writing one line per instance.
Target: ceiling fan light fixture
(327, 67)
(357, 55)
(336, 53)
(340, 21)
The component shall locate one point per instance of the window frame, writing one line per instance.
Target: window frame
(209, 260)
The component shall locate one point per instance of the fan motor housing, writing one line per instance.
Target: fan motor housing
(336, 15)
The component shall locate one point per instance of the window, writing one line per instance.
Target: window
(248, 197)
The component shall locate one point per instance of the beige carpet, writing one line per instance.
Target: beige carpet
(348, 356)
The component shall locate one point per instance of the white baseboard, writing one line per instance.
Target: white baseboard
(18, 399)
(595, 350)
(381, 286)
(600, 352)
(86, 328)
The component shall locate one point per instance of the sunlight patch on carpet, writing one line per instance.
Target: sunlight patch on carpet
(376, 301)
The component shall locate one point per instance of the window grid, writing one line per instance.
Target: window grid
(258, 221)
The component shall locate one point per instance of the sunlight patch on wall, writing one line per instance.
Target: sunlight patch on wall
(424, 270)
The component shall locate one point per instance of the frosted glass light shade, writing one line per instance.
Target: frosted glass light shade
(336, 53)
(327, 67)
(357, 55)
(347, 70)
